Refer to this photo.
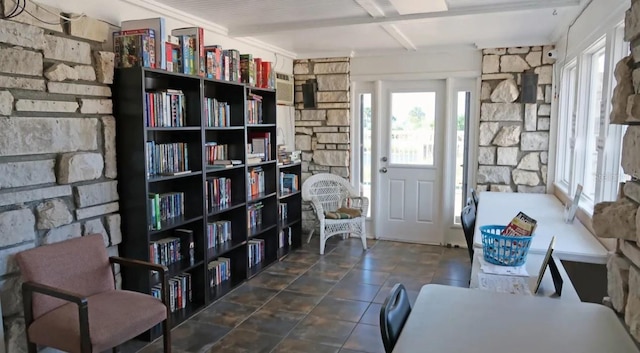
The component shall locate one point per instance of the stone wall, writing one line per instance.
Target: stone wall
(621, 219)
(57, 144)
(514, 137)
(322, 134)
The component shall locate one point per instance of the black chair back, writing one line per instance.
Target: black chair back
(468, 220)
(393, 315)
(474, 197)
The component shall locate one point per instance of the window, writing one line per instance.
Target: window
(567, 118)
(589, 149)
(592, 123)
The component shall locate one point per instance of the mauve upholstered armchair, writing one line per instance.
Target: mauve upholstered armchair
(70, 300)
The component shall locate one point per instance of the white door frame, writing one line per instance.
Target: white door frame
(454, 81)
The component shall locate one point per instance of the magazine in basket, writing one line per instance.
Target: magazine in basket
(520, 225)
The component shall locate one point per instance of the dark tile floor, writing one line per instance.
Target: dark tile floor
(311, 303)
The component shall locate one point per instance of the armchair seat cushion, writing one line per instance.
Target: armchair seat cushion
(114, 317)
(343, 213)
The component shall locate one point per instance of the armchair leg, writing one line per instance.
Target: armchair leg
(31, 347)
(166, 336)
(310, 235)
(363, 236)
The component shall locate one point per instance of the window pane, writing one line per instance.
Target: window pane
(412, 127)
(569, 123)
(593, 123)
(365, 149)
(461, 120)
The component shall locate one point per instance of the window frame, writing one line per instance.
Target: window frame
(573, 140)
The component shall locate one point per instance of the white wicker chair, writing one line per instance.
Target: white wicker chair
(328, 192)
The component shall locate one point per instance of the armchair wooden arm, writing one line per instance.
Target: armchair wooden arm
(164, 286)
(28, 288)
(161, 269)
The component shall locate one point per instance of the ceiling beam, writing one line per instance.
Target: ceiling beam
(400, 37)
(253, 30)
(374, 10)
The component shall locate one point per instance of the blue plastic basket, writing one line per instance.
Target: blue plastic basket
(504, 250)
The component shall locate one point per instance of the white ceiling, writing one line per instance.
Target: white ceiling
(360, 27)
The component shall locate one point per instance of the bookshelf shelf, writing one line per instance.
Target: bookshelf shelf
(175, 128)
(289, 194)
(260, 197)
(290, 165)
(218, 170)
(218, 210)
(257, 268)
(283, 252)
(249, 121)
(224, 248)
(260, 125)
(253, 165)
(258, 230)
(175, 223)
(177, 268)
(224, 128)
(155, 179)
(288, 223)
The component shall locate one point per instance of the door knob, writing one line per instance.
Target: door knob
(384, 159)
(383, 170)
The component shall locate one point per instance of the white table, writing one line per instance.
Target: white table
(533, 264)
(573, 241)
(453, 320)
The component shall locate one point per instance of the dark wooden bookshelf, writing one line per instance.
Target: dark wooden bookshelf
(135, 185)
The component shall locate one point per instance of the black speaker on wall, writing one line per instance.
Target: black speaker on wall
(309, 93)
(529, 88)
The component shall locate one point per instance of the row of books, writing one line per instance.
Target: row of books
(218, 192)
(165, 108)
(284, 238)
(254, 215)
(163, 207)
(256, 72)
(218, 114)
(288, 183)
(167, 158)
(146, 42)
(282, 211)
(135, 47)
(218, 233)
(219, 271)
(259, 145)
(256, 251)
(287, 157)
(213, 152)
(165, 251)
(254, 109)
(256, 181)
(180, 292)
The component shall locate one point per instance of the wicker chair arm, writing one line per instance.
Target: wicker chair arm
(317, 207)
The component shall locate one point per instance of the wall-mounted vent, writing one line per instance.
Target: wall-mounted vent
(284, 89)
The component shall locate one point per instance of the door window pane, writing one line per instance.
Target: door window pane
(365, 148)
(462, 117)
(412, 128)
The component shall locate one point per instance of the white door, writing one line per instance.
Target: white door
(411, 135)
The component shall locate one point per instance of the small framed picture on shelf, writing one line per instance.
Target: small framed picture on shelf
(571, 208)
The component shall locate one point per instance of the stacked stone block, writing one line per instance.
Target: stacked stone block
(322, 133)
(57, 146)
(621, 219)
(514, 136)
